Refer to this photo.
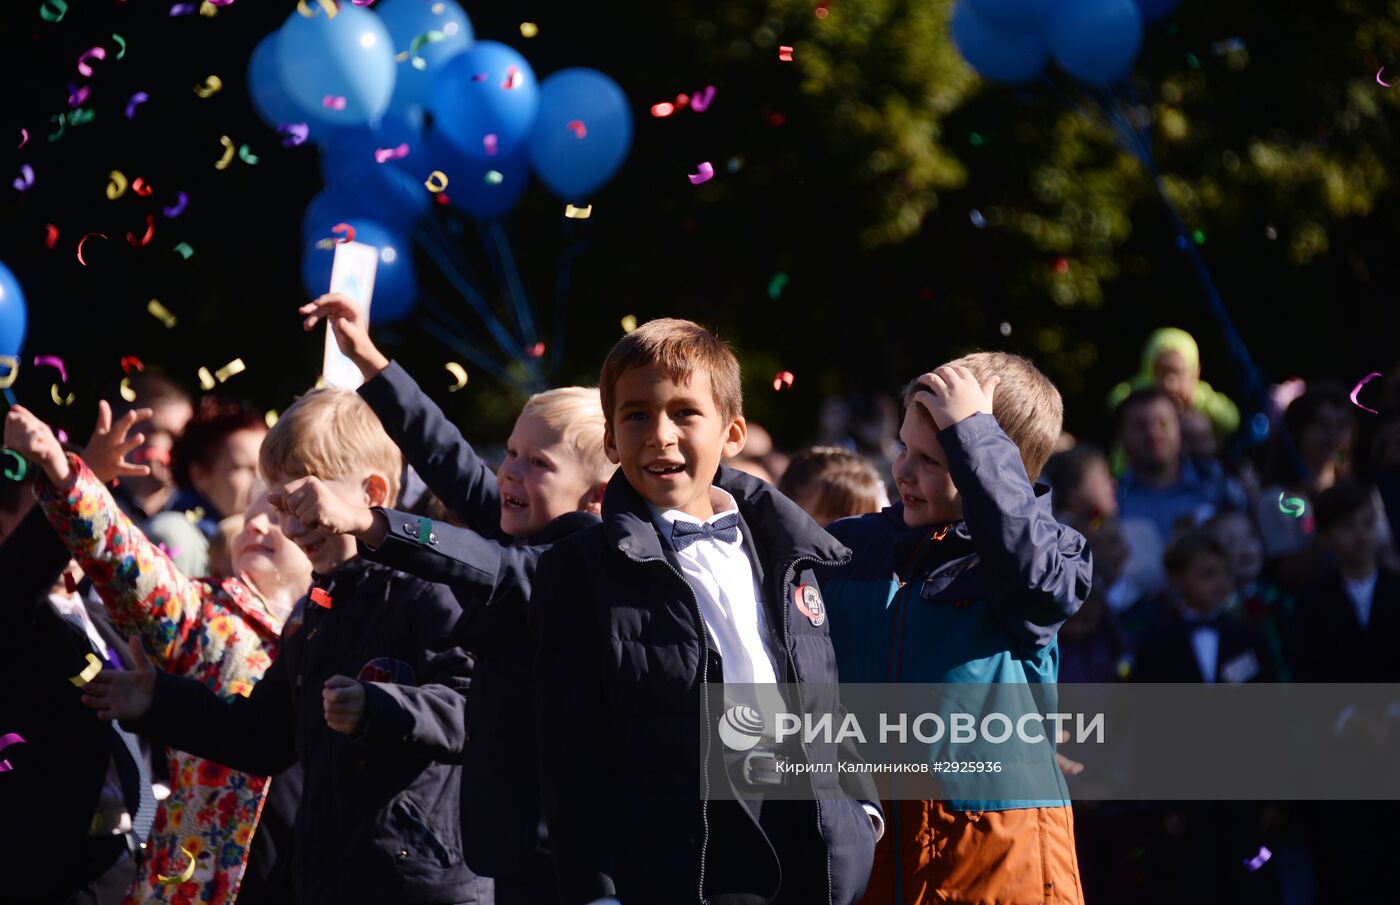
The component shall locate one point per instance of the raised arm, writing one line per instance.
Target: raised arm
(431, 443)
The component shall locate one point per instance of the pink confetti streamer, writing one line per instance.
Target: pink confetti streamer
(23, 137)
(488, 141)
(1259, 860)
(1356, 390)
(332, 102)
(702, 99)
(92, 53)
(52, 361)
(578, 128)
(137, 100)
(77, 95)
(178, 207)
(384, 155)
(26, 178)
(705, 172)
(513, 78)
(6, 740)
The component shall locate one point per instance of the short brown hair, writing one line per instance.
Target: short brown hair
(330, 433)
(679, 348)
(832, 481)
(1341, 501)
(1191, 544)
(1026, 404)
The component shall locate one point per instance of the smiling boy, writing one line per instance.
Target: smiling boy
(697, 575)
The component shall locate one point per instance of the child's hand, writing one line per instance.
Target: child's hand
(344, 701)
(32, 438)
(351, 332)
(315, 505)
(106, 449)
(124, 694)
(953, 394)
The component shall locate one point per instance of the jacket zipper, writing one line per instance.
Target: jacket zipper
(700, 630)
(797, 686)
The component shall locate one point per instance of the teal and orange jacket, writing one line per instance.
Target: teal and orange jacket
(977, 601)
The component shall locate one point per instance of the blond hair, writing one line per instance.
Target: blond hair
(330, 433)
(1025, 404)
(679, 348)
(833, 482)
(576, 415)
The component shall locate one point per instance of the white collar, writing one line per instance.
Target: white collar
(665, 519)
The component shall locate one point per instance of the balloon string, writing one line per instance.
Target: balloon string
(430, 243)
(562, 284)
(506, 263)
(458, 344)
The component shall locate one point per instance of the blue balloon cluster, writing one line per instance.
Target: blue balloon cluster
(392, 93)
(1096, 41)
(14, 316)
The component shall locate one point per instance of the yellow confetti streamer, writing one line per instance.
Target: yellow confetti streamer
(459, 372)
(208, 10)
(206, 380)
(578, 213)
(184, 875)
(94, 666)
(117, 186)
(270, 419)
(234, 367)
(529, 29)
(437, 182)
(9, 379)
(125, 389)
(328, 5)
(229, 151)
(629, 323)
(195, 515)
(60, 400)
(212, 86)
(161, 313)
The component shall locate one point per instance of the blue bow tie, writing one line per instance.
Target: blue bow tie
(685, 533)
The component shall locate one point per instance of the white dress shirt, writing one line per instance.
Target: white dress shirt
(1361, 592)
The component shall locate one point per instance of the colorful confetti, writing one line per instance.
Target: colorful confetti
(26, 178)
(92, 53)
(702, 99)
(183, 9)
(145, 239)
(246, 155)
(578, 128)
(60, 400)
(116, 185)
(1356, 390)
(121, 45)
(535, 351)
(1259, 860)
(53, 10)
(51, 235)
(529, 29)
(513, 78)
(1293, 506)
(184, 875)
(427, 37)
(782, 379)
(578, 213)
(8, 739)
(1378, 78)
(629, 323)
(52, 361)
(775, 285)
(332, 102)
(8, 380)
(23, 137)
(161, 313)
(494, 177)
(663, 109)
(785, 53)
(77, 95)
(229, 150)
(131, 361)
(704, 173)
(231, 369)
(89, 672)
(17, 471)
(327, 5)
(384, 155)
(81, 243)
(206, 382)
(178, 208)
(212, 86)
(296, 133)
(184, 250)
(125, 390)
(488, 142)
(436, 182)
(458, 372)
(347, 229)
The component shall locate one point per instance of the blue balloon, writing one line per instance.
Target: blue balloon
(999, 54)
(482, 190)
(406, 20)
(349, 58)
(1018, 14)
(271, 101)
(1157, 10)
(485, 101)
(1096, 41)
(14, 316)
(395, 283)
(576, 162)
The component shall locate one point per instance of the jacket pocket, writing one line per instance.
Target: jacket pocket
(408, 824)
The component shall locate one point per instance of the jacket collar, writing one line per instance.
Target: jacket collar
(779, 527)
(562, 527)
(907, 539)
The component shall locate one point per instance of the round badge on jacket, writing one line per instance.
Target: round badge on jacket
(809, 603)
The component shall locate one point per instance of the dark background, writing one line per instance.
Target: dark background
(834, 186)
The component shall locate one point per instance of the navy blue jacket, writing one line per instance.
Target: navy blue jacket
(625, 666)
(490, 573)
(50, 793)
(379, 811)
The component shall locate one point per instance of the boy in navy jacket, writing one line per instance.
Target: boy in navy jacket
(550, 485)
(699, 574)
(367, 691)
(966, 580)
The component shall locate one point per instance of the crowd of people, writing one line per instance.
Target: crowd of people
(346, 659)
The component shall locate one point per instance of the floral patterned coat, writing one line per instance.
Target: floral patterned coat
(220, 632)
